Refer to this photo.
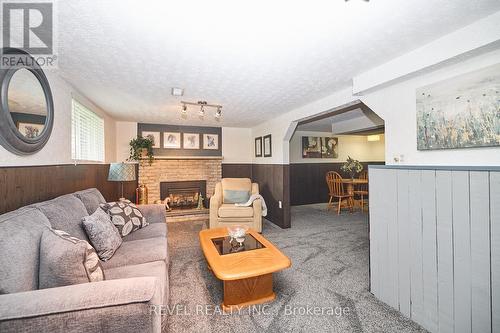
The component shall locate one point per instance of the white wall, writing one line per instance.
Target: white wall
(58, 148)
(125, 131)
(236, 142)
(396, 104)
(237, 146)
(355, 146)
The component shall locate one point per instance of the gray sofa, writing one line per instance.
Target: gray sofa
(136, 277)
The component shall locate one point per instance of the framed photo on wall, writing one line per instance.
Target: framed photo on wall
(258, 147)
(171, 140)
(268, 146)
(191, 141)
(311, 147)
(210, 141)
(155, 136)
(329, 147)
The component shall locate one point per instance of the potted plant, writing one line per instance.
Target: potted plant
(141, 148)
(352, 167)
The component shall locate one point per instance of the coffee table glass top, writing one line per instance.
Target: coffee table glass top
(224, 246)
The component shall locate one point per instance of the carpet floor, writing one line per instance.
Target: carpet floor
(325, 290)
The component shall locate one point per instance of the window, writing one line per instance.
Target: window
(87, 134)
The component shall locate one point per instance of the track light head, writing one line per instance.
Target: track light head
(218, 113)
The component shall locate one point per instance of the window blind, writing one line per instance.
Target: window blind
(87, 134)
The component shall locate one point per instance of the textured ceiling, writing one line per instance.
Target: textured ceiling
(258, 59)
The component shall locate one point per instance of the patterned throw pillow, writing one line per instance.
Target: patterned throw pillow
(67, 260)
(103, 235)
(125, 216)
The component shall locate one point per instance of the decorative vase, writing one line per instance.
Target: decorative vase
(141, 194)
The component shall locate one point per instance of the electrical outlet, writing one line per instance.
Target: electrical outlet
(280, 204)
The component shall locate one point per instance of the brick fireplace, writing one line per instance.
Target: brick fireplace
(180, 170)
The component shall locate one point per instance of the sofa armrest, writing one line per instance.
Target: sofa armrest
(154, 213)
(124, 305)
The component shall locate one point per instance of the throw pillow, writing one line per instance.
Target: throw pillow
(103, 235)
(233, 196)
(125, 216)
(66, 260)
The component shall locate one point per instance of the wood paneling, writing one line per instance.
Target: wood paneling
(237, 170)
(21, 186)
(452, 232)
(273, 181)
(307, 181)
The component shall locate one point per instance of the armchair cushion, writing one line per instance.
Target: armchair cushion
(230, 210)
(234, 196)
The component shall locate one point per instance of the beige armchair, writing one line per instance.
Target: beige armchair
(226, 214)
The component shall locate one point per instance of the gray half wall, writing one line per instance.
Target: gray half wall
(435, 245)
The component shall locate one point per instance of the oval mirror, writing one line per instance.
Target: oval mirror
(27, 109)
(27, 105)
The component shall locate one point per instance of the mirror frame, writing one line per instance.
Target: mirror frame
(10, 137)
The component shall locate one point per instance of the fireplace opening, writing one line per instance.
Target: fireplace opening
(183, 194)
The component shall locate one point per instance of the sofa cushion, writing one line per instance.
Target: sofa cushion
(102, 234)
(20, 234)
(125, 216)
(151, 231)
(139, 252)
(91, 199)
(230, 210)
(156, 269)
(65, 213)
(67, 260)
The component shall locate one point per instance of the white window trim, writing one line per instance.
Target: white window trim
(77, 157)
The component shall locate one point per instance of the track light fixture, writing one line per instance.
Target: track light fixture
(203, 105)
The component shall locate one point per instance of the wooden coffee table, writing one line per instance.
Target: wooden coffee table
(247, 275)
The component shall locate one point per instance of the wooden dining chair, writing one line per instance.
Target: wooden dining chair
(362, 189)
(336, 190)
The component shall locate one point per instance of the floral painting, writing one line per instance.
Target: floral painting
(461, 112)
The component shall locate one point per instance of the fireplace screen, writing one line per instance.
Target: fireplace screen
(183, 194)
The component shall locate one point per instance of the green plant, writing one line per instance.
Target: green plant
(138, 145)
(352, 167)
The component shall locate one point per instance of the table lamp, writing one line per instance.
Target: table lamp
(121, 172)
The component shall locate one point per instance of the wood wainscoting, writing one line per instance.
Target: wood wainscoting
(24, 185)
(307, 181)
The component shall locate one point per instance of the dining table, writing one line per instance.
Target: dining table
(351, 182)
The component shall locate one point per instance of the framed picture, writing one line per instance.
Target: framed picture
(329, 147)
(30, 130)
(258, 147)
(460, 112)
(155, 136)
(268, 146)
(211, 141)
(191, 141)
(171, 140)
(311, 147)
